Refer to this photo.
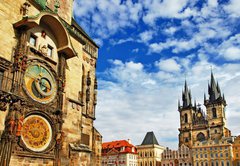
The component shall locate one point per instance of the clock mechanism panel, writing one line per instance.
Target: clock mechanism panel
(36, 133)
(40, 83)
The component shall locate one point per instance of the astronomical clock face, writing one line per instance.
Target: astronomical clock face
(36, 133)
(39, 83)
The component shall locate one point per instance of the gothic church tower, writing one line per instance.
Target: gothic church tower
(195, 125)
(215, 107)
(186, 117)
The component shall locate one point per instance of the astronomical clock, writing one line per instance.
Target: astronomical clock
(40, 70)
(39, 83)
(48, 86)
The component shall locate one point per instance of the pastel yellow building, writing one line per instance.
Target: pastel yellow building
(236, 151)
(48, 86)
(213, 153)
(150, 152)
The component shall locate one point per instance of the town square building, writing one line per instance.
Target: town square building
(48, 86)
(119, 153)
(213, 152)
(236, 151)
(181, 157)
(150, 152)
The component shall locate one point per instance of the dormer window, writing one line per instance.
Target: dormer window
(33, 40)
(49, 51)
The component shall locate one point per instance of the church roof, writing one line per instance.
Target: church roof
(150, 139)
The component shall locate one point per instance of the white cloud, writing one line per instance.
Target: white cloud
(230, 49)
(136, 50)
(105, 18)
(232, 53)
(128, 107)
(169, 65)
(121, 41)
(165, 9)
(170, 30)
(146, 36)
(233, 8)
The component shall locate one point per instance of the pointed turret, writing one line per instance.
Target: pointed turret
(186, 96)
(213, 90)
(150, 139)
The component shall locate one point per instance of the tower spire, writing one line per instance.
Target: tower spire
(186, 96)
(213, 89)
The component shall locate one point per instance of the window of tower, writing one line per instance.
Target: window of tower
(214, 113)
(185, 118)
(200, 137)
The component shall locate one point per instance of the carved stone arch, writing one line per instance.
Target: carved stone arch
(55, 24)
(201, 137)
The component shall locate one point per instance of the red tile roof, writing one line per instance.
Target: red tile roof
(117, 145)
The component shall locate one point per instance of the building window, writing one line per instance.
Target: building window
(33, 40)
(212, 163)
(216, 163)
(201, 137)
(226, 154)
(50, 51)
(214, 112)
(185, 118)
(222, 163)
(228, 163)
(211, 155)
(85, 139)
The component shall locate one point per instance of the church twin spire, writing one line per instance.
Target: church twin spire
(214, 93)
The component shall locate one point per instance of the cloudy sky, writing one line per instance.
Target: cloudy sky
(147, 49)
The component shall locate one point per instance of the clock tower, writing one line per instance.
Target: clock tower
(48, 86)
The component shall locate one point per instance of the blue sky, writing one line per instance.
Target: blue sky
(147, 49)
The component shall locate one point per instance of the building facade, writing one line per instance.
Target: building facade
(236, 151)
(150, 151)
(180, 157)
(119, 153)
(213, 153)
(48, 86)
(195, 124)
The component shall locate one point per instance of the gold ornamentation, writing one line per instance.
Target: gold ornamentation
(36, 133)
(40, 83)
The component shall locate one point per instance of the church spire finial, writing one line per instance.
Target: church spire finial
(186, 96)
(213, 89)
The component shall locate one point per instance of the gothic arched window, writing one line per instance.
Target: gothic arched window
(185, 118)
(200, 137)
(214, 113)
